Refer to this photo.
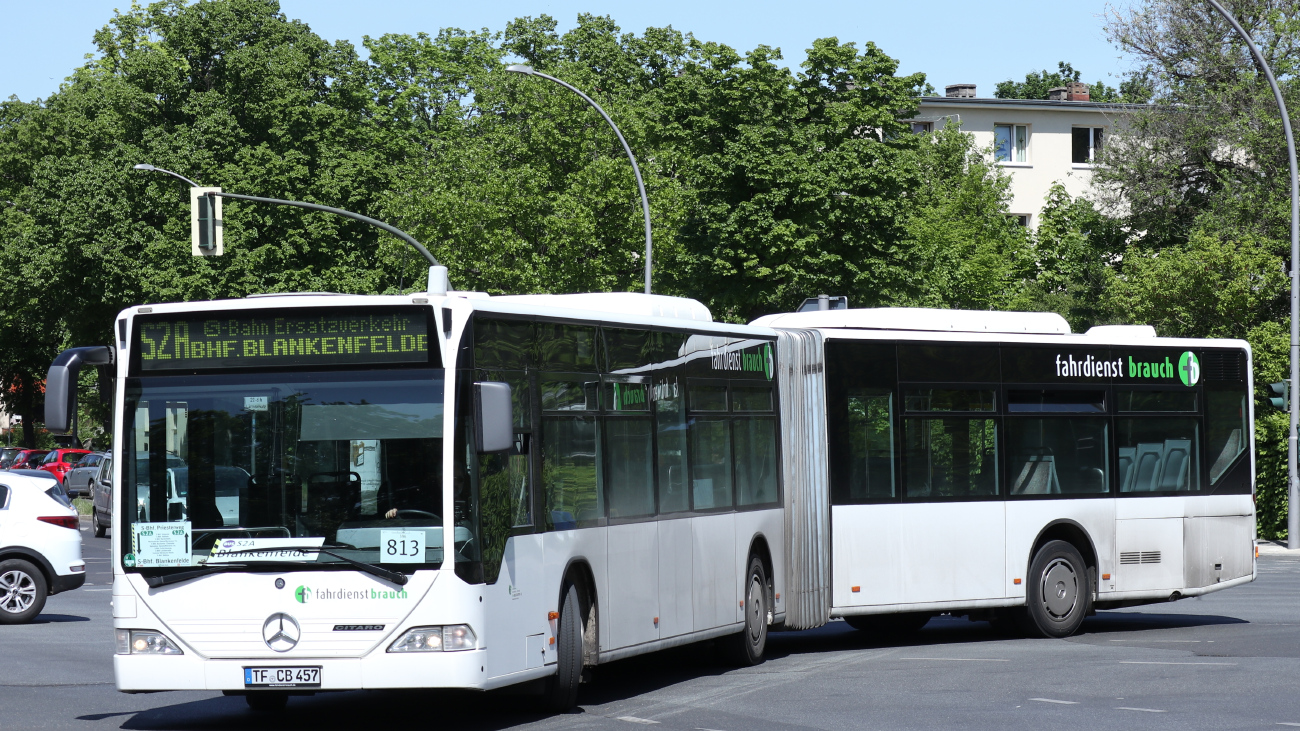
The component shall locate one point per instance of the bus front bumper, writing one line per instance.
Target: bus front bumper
(145, 673)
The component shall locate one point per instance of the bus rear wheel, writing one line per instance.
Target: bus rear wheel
(562, 688)
(747, 647)
(1059, 592)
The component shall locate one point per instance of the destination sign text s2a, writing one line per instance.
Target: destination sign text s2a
(282, 338)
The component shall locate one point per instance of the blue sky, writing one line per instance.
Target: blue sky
(41, 42)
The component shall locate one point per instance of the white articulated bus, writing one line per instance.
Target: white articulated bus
(995, 465)
(329, 492)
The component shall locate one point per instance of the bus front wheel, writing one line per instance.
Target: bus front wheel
(1059, 592)
(562, 688)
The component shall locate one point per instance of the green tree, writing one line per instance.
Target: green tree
(1074, 249)
(1037, 84)
(228, 92)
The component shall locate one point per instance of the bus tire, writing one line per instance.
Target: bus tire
(746, 647)
(890, 625)
(100, 528)
(562, 688)
(1059, 592)
(22, 591)
(266, 701)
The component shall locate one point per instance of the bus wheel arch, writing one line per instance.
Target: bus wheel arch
(1071, 532)
(759, 548)
(1060, 582)
(579, 575)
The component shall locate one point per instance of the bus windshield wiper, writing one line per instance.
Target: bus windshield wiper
(396, 577)
(156, 581)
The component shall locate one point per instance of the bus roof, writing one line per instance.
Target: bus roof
(923, 319)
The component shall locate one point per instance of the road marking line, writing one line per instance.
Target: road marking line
(1053, 700)
(958, 659)
(1287, 723)
(634, 719)
(1158, 641)
(1152, 662)
(1144, 710)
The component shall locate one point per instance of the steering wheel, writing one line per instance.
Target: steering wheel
(408, 513)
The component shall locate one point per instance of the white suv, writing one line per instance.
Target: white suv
(40, 545)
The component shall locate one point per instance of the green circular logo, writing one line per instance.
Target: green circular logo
(767, 361)
(302, 593)
(1189, 369)
(129, 560)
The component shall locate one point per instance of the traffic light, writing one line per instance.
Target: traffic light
(205, 222)
(1282, 400)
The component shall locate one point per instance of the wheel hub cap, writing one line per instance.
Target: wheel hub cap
(17, 591)
(1060, 589)
(755, 611)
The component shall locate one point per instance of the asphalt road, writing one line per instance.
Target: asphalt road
(1226, 661)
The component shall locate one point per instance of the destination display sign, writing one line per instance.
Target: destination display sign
(278, 338)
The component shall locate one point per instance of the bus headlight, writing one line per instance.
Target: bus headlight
(447, 638)
(145, 642)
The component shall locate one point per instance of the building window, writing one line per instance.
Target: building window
(1011, 142)
(921, 128)
(1021, 219)
(1085, 143)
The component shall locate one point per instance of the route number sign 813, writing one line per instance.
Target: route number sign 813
(401, 546)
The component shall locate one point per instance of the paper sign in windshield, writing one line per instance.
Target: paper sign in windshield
(401, 546)
(253, 550)
(157, 545)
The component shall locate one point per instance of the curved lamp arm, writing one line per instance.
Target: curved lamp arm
(640, 185)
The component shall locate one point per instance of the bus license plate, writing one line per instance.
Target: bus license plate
(282, 677)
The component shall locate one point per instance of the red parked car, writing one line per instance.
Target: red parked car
(59, 461)
(23, 459)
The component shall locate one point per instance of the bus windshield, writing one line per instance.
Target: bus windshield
(341, 460)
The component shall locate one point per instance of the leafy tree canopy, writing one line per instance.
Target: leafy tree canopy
(1037, 84)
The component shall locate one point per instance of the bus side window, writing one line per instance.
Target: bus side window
(670, 441)
(1159, 451)
(571, 450)
(1227, 429)
(870, 428)
(629, 435)
(754, 438)
(710, 436)
(949, 443)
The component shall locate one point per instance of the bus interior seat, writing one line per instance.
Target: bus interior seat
(1147, 466)
(1125, 465)
(563, 520)
(1176, 465)
(1231, 448)
(1037, 476)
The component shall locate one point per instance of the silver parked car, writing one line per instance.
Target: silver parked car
(77, 481)
(101, 496)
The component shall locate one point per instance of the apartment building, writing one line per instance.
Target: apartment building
(1038, 141)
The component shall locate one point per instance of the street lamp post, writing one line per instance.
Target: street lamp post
(640, 185)
(1293, 499)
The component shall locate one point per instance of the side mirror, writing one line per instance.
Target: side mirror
(494, 417)
(61, 384)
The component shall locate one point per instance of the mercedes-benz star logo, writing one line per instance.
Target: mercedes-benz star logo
(281, 632)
